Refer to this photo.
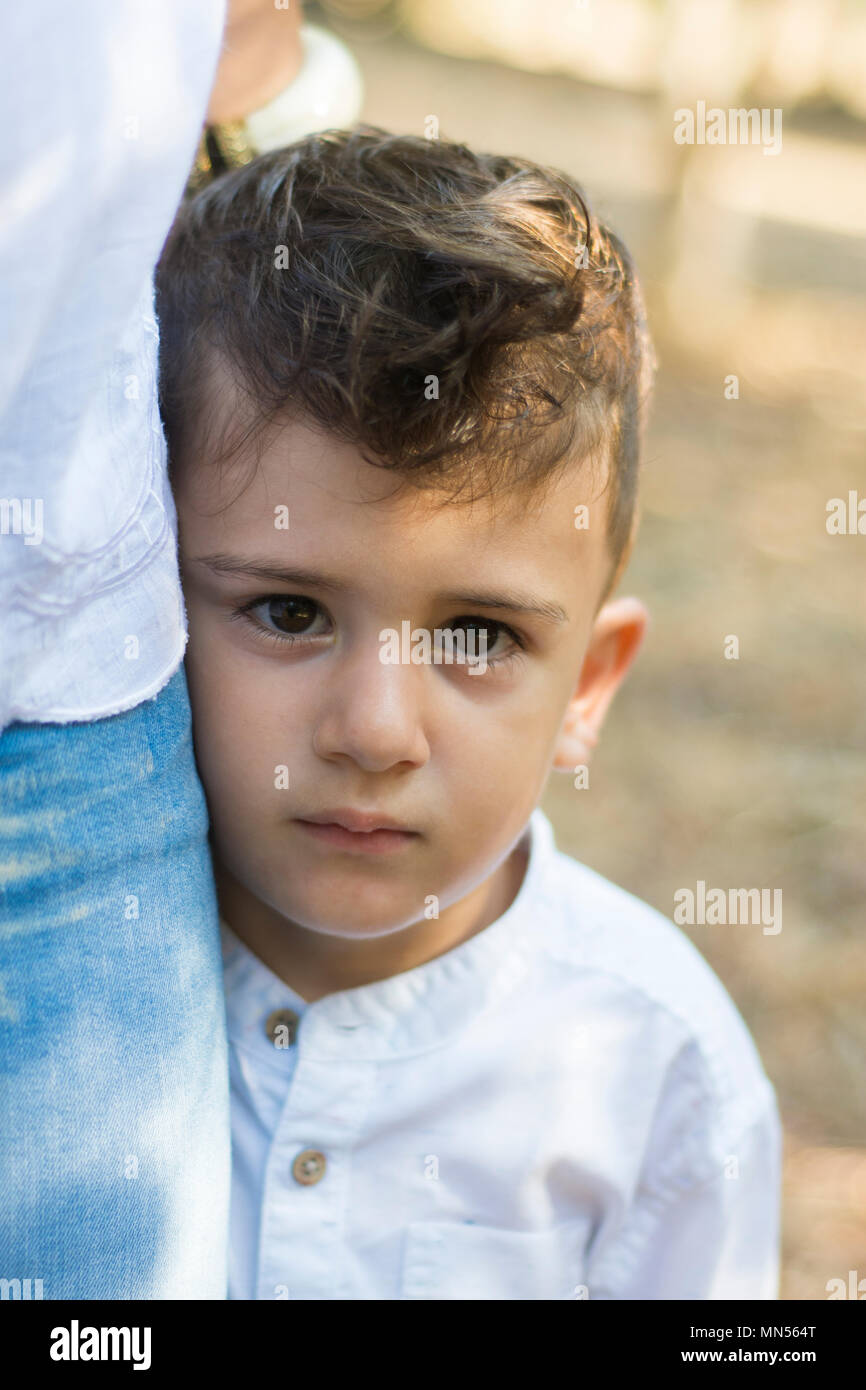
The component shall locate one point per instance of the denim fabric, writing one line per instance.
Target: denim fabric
(114, 1116)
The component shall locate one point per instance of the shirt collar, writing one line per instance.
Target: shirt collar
(408, 1012)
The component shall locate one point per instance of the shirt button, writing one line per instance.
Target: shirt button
(282, 1027)
(309, 1167)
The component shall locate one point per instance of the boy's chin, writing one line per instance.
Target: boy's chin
(356, 922)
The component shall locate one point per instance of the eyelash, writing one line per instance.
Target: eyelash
(245, 614)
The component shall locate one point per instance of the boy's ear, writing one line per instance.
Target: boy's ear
(614, 642)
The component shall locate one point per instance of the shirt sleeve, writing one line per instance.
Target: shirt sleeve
(101, 106)
(706, 1227)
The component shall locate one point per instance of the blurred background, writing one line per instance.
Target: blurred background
(744, 772)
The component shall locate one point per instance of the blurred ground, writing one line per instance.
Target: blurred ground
(748, 772)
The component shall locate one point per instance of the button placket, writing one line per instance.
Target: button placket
(307, 1176)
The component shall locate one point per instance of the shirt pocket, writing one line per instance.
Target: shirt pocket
(465, 1260)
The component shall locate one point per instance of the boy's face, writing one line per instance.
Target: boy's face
(457, 758)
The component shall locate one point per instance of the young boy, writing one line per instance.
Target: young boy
(403, 387)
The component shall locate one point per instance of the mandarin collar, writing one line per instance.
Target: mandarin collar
(409, 1012)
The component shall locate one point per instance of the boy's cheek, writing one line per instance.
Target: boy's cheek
(244, 762)
(221, 729)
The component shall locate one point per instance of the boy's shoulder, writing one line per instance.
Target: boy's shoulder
(649, 970)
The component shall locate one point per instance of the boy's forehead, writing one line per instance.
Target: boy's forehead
(305, 493)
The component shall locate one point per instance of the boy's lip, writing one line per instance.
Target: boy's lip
(359, 822)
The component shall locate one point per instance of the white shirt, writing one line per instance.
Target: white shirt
(567, 1105)
(101, 107)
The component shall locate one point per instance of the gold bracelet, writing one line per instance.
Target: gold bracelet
(221, 147)
(326, 91)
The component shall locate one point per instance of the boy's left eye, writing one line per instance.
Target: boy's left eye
(487, 635)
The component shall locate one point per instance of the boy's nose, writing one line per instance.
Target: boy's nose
(372, 712)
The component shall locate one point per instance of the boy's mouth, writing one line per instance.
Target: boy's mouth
(364, 832)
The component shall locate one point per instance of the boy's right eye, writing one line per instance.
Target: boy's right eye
(283, 617)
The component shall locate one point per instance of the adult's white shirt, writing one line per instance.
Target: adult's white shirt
(101, 106)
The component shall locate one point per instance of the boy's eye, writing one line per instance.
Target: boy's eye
(485, 630)
(282, 617)
(289, 618)
(486, 636)
(290, 612)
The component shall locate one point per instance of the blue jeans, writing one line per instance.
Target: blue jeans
(114, 1109)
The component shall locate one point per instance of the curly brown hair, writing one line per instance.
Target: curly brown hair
(462, 318)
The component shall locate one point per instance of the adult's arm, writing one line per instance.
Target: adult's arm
(101, 106)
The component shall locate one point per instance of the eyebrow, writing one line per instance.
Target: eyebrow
(245, 568)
